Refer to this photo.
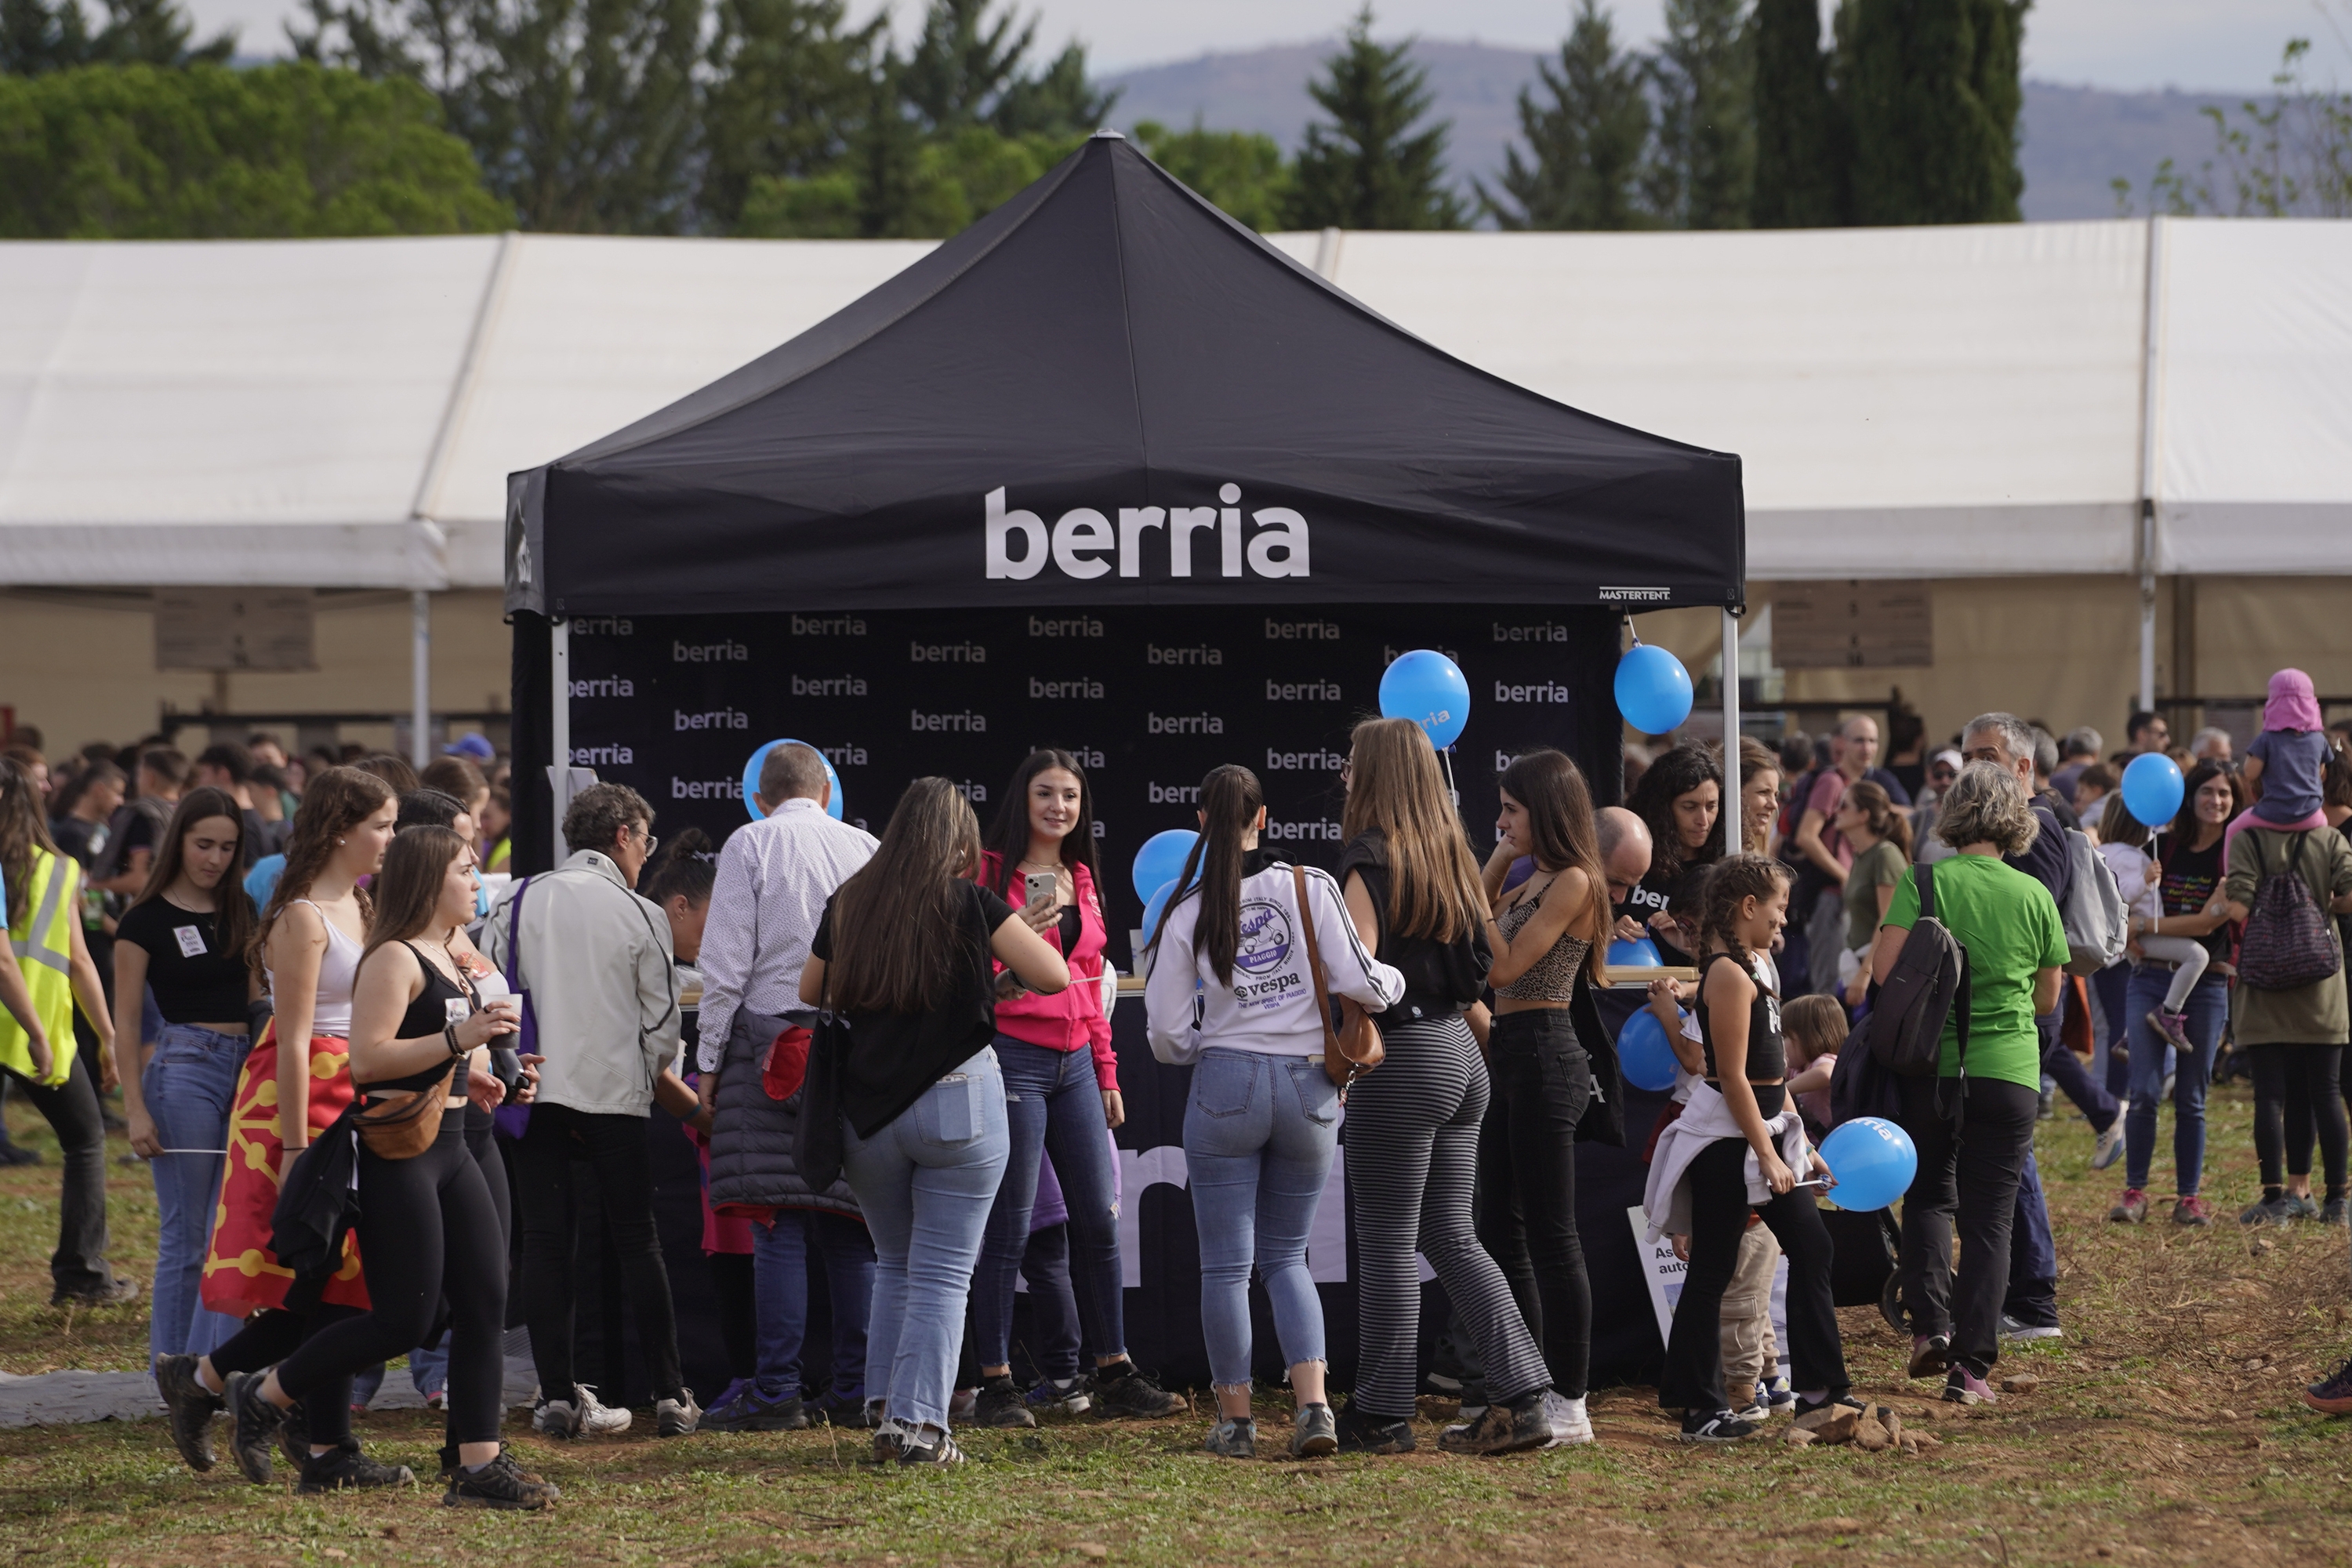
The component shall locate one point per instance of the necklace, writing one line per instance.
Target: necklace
(1055, 866)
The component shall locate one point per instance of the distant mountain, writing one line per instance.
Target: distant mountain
(2077, 139)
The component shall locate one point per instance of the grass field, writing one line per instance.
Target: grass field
(2165, 1428)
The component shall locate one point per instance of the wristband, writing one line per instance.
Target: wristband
(449, 1033)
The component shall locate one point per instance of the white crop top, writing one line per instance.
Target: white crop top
(338, 971)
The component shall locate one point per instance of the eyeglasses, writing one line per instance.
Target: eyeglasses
(652, 843)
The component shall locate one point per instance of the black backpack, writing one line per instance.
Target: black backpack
(1929, 980)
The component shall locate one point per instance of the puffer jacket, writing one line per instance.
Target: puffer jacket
(751, 1164)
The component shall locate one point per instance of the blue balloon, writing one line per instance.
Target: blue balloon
(1653, 690)
(1639, 953)
(1161, 859)
(1154, 907)
(1644, 1054)
(1873, 1162)
(1429, 688)
(760, 760)
(2153, 789)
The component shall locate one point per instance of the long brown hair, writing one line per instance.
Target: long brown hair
(1396, 787)
(232, 906)
(1879, 807)
(337, 801)
(1230, 802)
(1008, 835)
(409, 886)
(23, 834)
(897, 922)
(1560, 822)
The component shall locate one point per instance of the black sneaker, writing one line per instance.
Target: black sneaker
(930, 1446)
(294, 1435)
(1361, 1432)
(451, 1463)
(1714, 1426)
(501, 1484)
(835, 1410)
(258, 1421)
(1001, 1405)
(344, 1468)
(121, 1291)
(1123, 1389)
(191, 1406)
(752, 1411)
(2331, 1396)
(1508, 1427)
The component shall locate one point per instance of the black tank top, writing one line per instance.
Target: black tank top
(429, 1014)
(1767, 1056)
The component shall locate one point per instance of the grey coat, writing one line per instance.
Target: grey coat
(752, 1135)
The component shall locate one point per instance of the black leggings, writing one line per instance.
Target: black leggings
(428, 1229)
(1527, 1183)
(1720, 1210)
(272, 1334)
(2297, 1092)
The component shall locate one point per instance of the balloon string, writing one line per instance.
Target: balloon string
(1449, 776)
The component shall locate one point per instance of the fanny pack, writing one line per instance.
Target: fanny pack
(402, 1123)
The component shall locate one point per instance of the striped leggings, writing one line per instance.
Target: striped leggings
(1412, 1160)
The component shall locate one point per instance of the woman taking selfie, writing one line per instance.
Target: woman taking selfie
(903, 951)
(1061, 1082)
(426, 1222)
(185, 935)
(1262, 1120)
(308, 943)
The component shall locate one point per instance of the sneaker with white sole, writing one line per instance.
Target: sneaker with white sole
(2014, 1331)
(890, 1436)
(1569, 1424)
(928, 1447)
(1965, 1387)
(1714, 1426)
(598, 1419)
(2110, 1147)
(1755, 1415)
(678, 1417)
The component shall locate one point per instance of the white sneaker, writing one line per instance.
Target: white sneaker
(555, 1418)
(2111, 1141)
(596, 1418)
(1569, 1424)
(675, 1417)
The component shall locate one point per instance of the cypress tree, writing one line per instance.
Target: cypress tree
(1801, 148)
(1702, 174)
(1932, 90)
(1370, 168)
(1585, 144)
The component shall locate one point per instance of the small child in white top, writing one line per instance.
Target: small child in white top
(2123, 841)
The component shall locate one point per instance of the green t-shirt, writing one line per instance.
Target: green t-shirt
(2010, 925)
(1880, 866)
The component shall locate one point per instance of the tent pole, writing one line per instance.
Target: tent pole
(2151, 431)
(420, 677)
(559, 733)
(1732, 841)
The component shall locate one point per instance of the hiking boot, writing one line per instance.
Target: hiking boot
(1509, 1427)
(752, 1411)
(2110, 1147)
(1714, 1426)
(1234, 1437)
(2299, 1205)
(2331, 1396)
(837, 1410)
(1122, 1389)
(500, 1484)
(1931, 1355)
(1001, 1405)
(191, 1406)
(1066, 1393)
(258, 1421)
(121, 1291)
(2192, 1210)
(2131, 1208)
(1314, 1432)
(1569, 1424)
(343, 1469)
(678, 1417)
(1965, 1387)
(928, 1447)
(1362, 1432)
(2173, 1027)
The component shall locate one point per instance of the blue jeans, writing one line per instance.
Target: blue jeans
(188, 1085)
(1051, 1102)
(927, 1182)
(1259, 1131)
(1053, 1307)
(2209, 1009)
(780, 1298)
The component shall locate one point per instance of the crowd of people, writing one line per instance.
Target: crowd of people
(895, 1056)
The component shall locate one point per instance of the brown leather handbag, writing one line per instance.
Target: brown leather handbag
(402, 1123)
(1354, 1048)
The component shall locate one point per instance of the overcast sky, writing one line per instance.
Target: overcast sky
(2219, 45)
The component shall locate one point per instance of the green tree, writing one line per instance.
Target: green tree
(1585, 143)
(1702, 169)
(1801, 146)
(1368, 167)
(1240, 171)
(2289, 156)
(1932, 92)
(36, 36)
(789, 87)
(970, 69)
(205, 153)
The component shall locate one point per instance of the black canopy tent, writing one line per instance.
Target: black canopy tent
(1110, 398)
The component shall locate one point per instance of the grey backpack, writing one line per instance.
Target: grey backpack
(2095, 918)
(1906, 1030)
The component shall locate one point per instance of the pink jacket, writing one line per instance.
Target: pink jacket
(1071, 1019)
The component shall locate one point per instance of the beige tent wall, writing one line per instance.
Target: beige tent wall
(82, 668)
(2246, 627)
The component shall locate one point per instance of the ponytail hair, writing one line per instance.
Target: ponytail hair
(1734, 880)
(1230, 802)
(1878, 806)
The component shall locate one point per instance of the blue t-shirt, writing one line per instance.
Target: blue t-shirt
(2293, 761)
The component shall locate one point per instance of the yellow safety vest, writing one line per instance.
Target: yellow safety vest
(43, 942)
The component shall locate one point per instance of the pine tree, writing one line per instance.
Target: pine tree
(36, 36)
(1801, 147)
(1702, 172)
(1586, 143)
(1368, 167)
(788, 88)
(968, 70)
(1932, 90)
